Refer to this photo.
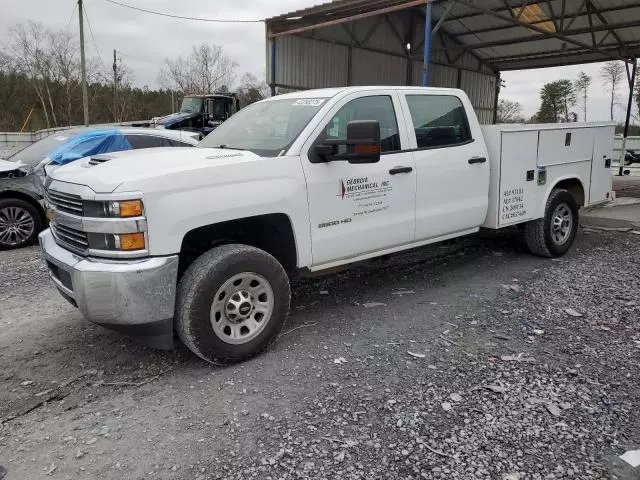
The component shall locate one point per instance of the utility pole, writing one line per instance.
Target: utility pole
(631, 77)
(85, 96)
(115, 87)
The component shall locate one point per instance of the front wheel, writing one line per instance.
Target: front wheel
(232, 303)
(20, 223)
(553, 235)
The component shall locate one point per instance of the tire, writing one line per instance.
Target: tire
(542, 237)
(20, 223)
(227, 327)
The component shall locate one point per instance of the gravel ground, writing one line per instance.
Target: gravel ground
(478, 362)
(628, 186)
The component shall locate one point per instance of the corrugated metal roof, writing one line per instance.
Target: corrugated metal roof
(504, 34)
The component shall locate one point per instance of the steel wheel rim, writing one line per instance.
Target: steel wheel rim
(561, 224)
(16, 226)
(242, 308)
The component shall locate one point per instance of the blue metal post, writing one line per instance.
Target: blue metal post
(427, 45)
(273, 67)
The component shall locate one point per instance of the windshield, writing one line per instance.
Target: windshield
(191, 105)
(219, 108)
(36, 152)
(265, 128)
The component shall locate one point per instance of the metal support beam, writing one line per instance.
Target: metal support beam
(349, 66)
(496, 98)
(522, 9)
(543, 33)
(577, 14)
(443, 17)
(632, 83)
(401, 41)
(569, 53)
(554, 20)
(603, 20)
(536, 38)
(346, 28)
(427, 43)
(273, 67)
(351, 18)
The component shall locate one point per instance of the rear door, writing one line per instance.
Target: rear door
(451, 164)
(356, 210)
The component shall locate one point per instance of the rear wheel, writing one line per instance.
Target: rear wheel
(553, 235)
(20, 223)
(232, 303)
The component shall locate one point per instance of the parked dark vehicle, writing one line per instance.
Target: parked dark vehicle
(22, 175)
(631, 157)
(200, 113)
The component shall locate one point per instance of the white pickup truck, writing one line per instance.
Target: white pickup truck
(202, 240)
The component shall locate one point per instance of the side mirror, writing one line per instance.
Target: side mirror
(362, 142)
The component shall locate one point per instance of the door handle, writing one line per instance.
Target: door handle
(397, 170)
(477, 160)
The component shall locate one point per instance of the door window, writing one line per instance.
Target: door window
(438, 120)
(147, 141)
(378, 108)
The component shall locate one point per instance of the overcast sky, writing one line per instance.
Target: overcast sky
(144, 40)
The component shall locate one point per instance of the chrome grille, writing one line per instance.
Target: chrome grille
(71, 238)
(65, 202)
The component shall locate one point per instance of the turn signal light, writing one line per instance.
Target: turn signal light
(132, 241)
(367, 149)
(130, 208)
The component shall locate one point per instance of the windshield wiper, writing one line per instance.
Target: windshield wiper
(226, 147)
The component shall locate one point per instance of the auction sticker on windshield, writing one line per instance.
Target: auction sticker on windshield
(309, 102)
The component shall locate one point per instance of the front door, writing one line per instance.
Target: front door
(354, 209)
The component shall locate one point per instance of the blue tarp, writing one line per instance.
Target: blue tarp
(89, 143)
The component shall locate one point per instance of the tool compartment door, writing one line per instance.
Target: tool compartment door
(565, 145)
(601, 179)
(517, 194)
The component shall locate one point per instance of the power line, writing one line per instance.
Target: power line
(75, 5)
(93, 39)
(215, 20)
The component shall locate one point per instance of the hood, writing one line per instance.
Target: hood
(134, 166)
(12, 169)
(173, 118)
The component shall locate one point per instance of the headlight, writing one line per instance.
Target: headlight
(114, 209)
(124, 242)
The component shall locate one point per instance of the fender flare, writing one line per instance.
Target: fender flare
(563, 179)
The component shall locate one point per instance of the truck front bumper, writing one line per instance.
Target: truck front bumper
(135, 297)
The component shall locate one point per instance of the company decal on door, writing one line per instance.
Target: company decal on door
(368, 195)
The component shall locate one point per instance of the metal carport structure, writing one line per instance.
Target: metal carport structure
(453, 43)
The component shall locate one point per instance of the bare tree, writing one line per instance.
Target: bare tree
(611, 74)
(509, 111)
(206, 70)
(581, 85)
(174, 75)
(65, 68)
(27, 49)
(121, 106)
(251, 89)
(6, 63)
